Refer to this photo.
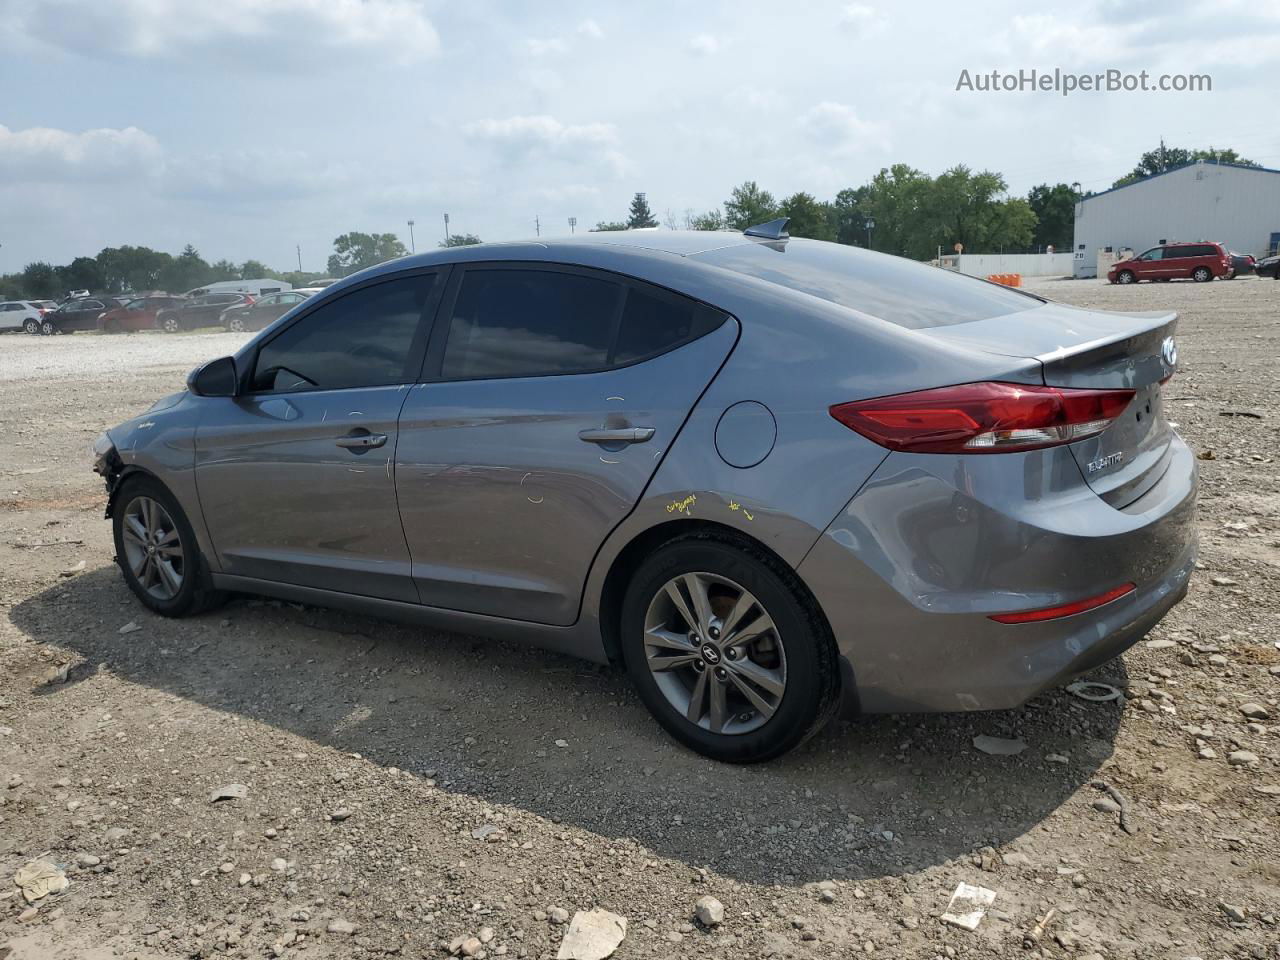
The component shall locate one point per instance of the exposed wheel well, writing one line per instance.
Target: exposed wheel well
(635, 552)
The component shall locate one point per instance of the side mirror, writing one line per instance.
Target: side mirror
(217, 378)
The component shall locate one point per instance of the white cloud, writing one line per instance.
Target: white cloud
(861, 19)
(551, 46)
(45, 155)
(589, 28)
(838, 128)
(705, 45)
(541, 130)
(264, 32)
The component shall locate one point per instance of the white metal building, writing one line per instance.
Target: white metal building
(256, 287)
(1235, 205)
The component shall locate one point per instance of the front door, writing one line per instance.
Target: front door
(296, 475)
(556, 392)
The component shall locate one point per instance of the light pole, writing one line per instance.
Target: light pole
(573, 222)
(870, 225)
(446, 229)
(413, 247)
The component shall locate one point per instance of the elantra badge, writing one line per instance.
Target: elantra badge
(1110, 460)
(1169, 352)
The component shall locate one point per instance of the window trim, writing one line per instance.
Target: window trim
(433, 362)
(417, 348)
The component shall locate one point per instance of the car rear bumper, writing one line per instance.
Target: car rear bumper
(911, 571)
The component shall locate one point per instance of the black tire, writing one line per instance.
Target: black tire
(31, 325)
(48, 328)
(111, 326)
(812, 688)
(1126, 276)
(1201, 274)
(196, 593)
(170, 324)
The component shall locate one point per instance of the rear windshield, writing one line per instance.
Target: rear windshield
(910, 294)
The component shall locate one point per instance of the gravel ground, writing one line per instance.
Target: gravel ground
(409, 792)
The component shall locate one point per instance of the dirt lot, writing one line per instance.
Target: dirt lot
(405, 788)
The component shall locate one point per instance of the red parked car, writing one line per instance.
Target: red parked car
(1175, 261)
(138, 314)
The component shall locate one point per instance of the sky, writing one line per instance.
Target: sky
(250, 128)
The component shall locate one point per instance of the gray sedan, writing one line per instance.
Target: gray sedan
(767, 476)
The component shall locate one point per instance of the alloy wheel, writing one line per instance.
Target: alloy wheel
(715, 653)
(31, 326)
(170, 325)
(153, 548)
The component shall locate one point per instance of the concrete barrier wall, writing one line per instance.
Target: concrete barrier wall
(1027, 264)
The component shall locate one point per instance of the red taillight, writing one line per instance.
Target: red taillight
(983, 417)
(1066, 609)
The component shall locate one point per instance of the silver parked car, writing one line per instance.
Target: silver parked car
(767, 475)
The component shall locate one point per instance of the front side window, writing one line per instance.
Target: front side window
(1155, 254)
(522, 323)
(364, 338)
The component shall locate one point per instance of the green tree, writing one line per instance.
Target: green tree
(809, 217)
(1163, 159)
(254, 270)
(40, 281)
(1055, 210)
(894, 199)
(222, 269)
(82, 273)
(710, 220)
(355, 251)
(748, 205)
(185, 272)
(131, 268)
(460, 240)
(640, 214)
(849, 212)
(605, 226)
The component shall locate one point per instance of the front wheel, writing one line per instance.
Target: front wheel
(170, 325)
(1125, 276)
(157, 550)
(1202, 275)
(31, 325)
(236, 325)
(49, 328)
(727, 649)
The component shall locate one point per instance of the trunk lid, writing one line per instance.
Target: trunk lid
(1087, 349)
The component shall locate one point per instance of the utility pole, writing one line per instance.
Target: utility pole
(413, 247)
(446, 229)
(299, 249)
(573, 222)
(537, 225)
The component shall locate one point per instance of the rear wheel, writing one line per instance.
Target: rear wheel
(1202, 275)
(31, 325)
(49, 328)
(157, 550)
(236, 324)
(727, 650)
(111, 326)
(1125, 276)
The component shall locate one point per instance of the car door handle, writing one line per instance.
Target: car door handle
(362, 441)
(617, 435)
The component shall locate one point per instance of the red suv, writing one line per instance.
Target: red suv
(1175, 261)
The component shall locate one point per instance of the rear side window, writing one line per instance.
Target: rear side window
(901, 291)
(542, 322)
(365, 338)
(654, 322)
(517, 323)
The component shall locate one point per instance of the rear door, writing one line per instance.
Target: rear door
(554, 393)
(296, 475)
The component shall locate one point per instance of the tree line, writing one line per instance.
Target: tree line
(901, 210)
(905, 211)
(130, 269)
